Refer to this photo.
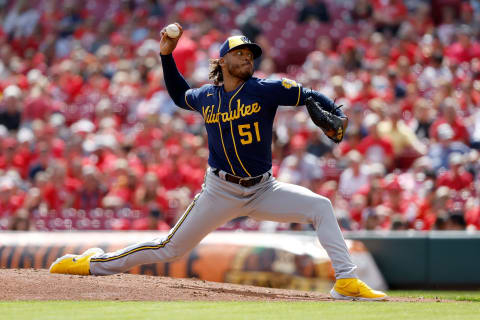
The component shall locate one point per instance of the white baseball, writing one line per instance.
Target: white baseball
(172, 31)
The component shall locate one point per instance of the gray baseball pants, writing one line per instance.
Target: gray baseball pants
(221, 201)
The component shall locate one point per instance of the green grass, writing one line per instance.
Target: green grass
(473, 296)
(73, 310)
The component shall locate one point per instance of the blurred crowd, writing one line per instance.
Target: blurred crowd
(89, 138)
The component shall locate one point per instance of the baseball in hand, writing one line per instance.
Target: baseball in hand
(172, 31)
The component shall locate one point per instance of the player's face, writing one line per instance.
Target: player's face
(240, 63)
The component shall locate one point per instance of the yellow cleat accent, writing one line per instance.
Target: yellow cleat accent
(75, 264)
(355, 289)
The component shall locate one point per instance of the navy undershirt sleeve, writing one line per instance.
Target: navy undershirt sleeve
(174, 81)
(326, 103)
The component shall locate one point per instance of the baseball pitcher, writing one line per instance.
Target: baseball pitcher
(238, 110)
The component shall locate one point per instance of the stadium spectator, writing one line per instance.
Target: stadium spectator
(362, 10)
(154, 221)
(439, 152)
(10, 108)
(388, 15)
(464, 49)
(434, 74)
(354, 176)
(472, 217)
(398, 203)
(314, 9)
(446, 29)
(450, 116)
(456, 177)
(406, 146)
(421, 19)
(150, 196)
(374, 147)
(349, 54)
(456, 221)
(424, 115)
(21, 20)
(90, 195)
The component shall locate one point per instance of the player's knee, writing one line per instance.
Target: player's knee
(175, 252)
(322, 208)
(323, 203)
(325, 200)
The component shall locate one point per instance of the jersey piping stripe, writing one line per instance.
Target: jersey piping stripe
(231, 129)
(221, 136)
(188, 104)
(158, 246)
(298, 100)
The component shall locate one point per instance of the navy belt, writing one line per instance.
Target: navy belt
(244, 182)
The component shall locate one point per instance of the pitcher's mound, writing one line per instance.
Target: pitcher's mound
(39, 284)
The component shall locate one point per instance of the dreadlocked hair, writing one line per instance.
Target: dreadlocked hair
(215, 73)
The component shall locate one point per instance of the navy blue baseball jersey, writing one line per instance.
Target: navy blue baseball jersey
(240, 123)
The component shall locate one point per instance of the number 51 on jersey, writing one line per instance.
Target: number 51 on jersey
(245, 131)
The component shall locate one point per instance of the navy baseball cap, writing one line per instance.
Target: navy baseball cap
(237, 42)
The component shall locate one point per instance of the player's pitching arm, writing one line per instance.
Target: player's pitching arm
(174, 81)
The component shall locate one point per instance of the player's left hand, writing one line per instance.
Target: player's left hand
(332, 125)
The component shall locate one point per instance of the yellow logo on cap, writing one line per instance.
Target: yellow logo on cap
(237, 41)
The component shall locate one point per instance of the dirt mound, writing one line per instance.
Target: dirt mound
(39, 284)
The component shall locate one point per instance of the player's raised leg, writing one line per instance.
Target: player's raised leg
(285, 202)
(210, 209)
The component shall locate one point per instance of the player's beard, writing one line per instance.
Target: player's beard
(239, 71)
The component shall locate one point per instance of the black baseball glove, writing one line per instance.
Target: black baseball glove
(331, 124)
